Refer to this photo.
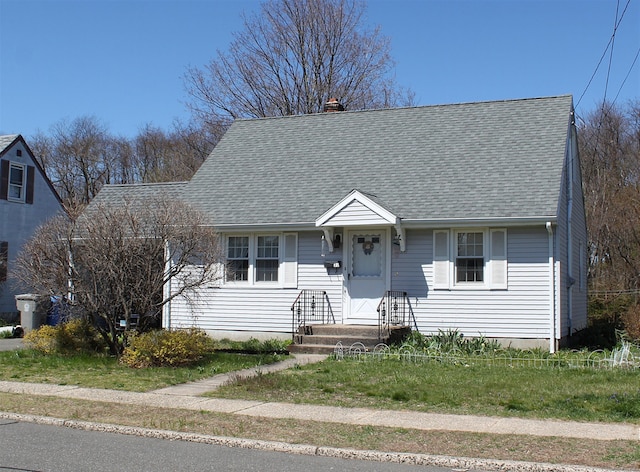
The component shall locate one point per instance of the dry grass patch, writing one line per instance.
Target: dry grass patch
(607, 454)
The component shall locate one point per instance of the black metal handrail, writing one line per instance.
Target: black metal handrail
(394, 309)
(311, 306)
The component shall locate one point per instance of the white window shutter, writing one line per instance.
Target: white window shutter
(290, 260)
(441, 266)
(498, 258)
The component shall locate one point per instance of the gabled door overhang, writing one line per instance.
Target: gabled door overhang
(358, 209)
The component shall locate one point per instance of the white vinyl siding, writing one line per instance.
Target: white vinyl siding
(356, 213)
(264, 307)
(519, 311)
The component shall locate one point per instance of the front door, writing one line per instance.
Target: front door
(366, 278)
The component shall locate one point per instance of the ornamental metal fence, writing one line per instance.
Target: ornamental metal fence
(626, 356)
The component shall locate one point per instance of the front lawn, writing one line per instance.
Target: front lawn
(25, 365)
(583, 394)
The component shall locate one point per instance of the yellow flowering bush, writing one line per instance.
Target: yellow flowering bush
(43, 339)
(164, 348)
(73, 336)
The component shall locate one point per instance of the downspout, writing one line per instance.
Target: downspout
(166, 290)
(571, 279)
(552, 292)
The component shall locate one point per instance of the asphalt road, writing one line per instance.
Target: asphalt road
(32, 447)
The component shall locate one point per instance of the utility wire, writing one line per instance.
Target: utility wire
(627, 76)
(613, 42)
(604, 53)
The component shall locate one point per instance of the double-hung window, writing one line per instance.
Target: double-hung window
(267, 259)
(17, 182)
(470, 259)
(469, 265)
(263, 259)
(238, 258)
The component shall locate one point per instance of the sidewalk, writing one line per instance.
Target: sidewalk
(186, 396)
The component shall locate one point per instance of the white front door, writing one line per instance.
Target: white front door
(367, 275)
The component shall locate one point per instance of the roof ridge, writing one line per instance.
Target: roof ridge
(148, 184)
(436, 105)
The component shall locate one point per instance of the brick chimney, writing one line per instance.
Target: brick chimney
(333, 105)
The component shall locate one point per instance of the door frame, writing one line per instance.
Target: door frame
(348, 261)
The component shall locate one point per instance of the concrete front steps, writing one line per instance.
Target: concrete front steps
(322, 338)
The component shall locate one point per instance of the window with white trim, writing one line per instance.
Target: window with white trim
(262, 259)
(238, 258)
(469, 265)
(470, 258)
(267, 258)
(17, 181)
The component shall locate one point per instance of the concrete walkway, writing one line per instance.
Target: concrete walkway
(187, 396)
(207, 385)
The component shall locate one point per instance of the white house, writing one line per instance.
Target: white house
(466, 216)
(27, 200)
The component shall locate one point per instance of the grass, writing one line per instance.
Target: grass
(590, 453)
(529, 392)
(27, 365)
(532, 392)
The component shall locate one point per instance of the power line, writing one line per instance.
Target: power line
(613, 42)
(604, 53)
(627, 76)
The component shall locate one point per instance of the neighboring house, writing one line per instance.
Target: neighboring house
(474, 210)
(27, 200)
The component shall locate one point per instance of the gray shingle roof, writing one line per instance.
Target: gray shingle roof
(136, 194)
(6, 140)
(473, 160)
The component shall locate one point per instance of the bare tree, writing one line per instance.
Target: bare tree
(610, 156)
(160, 156)
(77, 157)
(80, 156)
(291, 58)
(115, 261)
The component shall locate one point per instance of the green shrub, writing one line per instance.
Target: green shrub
(163, 348)
(254, 345)
(6, 334)
(451, 341)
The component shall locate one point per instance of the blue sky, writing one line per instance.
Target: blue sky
(124, 61)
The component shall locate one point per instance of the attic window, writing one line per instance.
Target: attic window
(19, 152)
(17, 181)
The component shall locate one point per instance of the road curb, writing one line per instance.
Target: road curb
(461, 463)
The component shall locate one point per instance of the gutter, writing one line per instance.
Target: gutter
(406, 223)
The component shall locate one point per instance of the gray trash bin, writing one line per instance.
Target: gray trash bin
(27, 304)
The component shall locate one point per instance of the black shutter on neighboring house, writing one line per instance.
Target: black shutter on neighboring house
(4, 260)
(4, 180)
(30, 181)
